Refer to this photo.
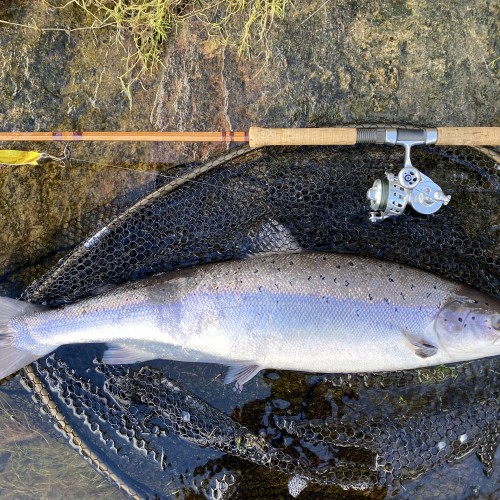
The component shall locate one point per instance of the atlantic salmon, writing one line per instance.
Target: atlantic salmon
(313, 312)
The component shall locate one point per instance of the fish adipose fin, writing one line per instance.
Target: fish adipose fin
(12, 358)
(119, 354)
(240, 373)
(419, 345)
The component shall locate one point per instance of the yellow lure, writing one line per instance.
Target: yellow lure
(13, 157)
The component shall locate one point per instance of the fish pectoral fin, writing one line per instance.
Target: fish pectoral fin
(240, 373)
(122, 354)
(419, 345)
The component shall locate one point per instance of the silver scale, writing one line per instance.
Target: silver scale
(390, 196)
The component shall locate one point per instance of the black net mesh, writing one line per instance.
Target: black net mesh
(172, 429)
(318, 194)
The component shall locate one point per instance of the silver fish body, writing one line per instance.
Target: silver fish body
(306, 312)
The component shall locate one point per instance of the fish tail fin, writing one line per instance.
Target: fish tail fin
(12, 358)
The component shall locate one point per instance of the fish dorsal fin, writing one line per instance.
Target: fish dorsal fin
(419, 345)
(272, 237)
(120, 354)
(240, 373)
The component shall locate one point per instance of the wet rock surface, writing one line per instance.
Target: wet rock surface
(325, 63)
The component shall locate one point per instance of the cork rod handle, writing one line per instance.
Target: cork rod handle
(468, 136)
(301, 136)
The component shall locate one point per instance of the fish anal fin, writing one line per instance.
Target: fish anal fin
(123, 354)
(419, 345)
(241, 373)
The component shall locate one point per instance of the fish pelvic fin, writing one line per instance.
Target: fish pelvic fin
(419, 345)
(241, 373)
(12, 358)
(123, 354)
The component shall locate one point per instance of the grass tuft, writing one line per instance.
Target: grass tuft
(149, 24)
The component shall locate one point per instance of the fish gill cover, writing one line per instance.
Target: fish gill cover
(172, 429)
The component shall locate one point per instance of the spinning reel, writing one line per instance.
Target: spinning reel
(390, 196)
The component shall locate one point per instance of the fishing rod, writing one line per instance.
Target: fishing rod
(258, 137)
(388, 196)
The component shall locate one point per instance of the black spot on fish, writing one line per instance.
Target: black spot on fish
(338, 267)
(370, 296)
(403, 295)
(291, 263)
(256, 271)
(473, 317)
(391, 280)
(310, 278)
(346, 283)
(460, 319)
(335, 280)
(351, 263)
